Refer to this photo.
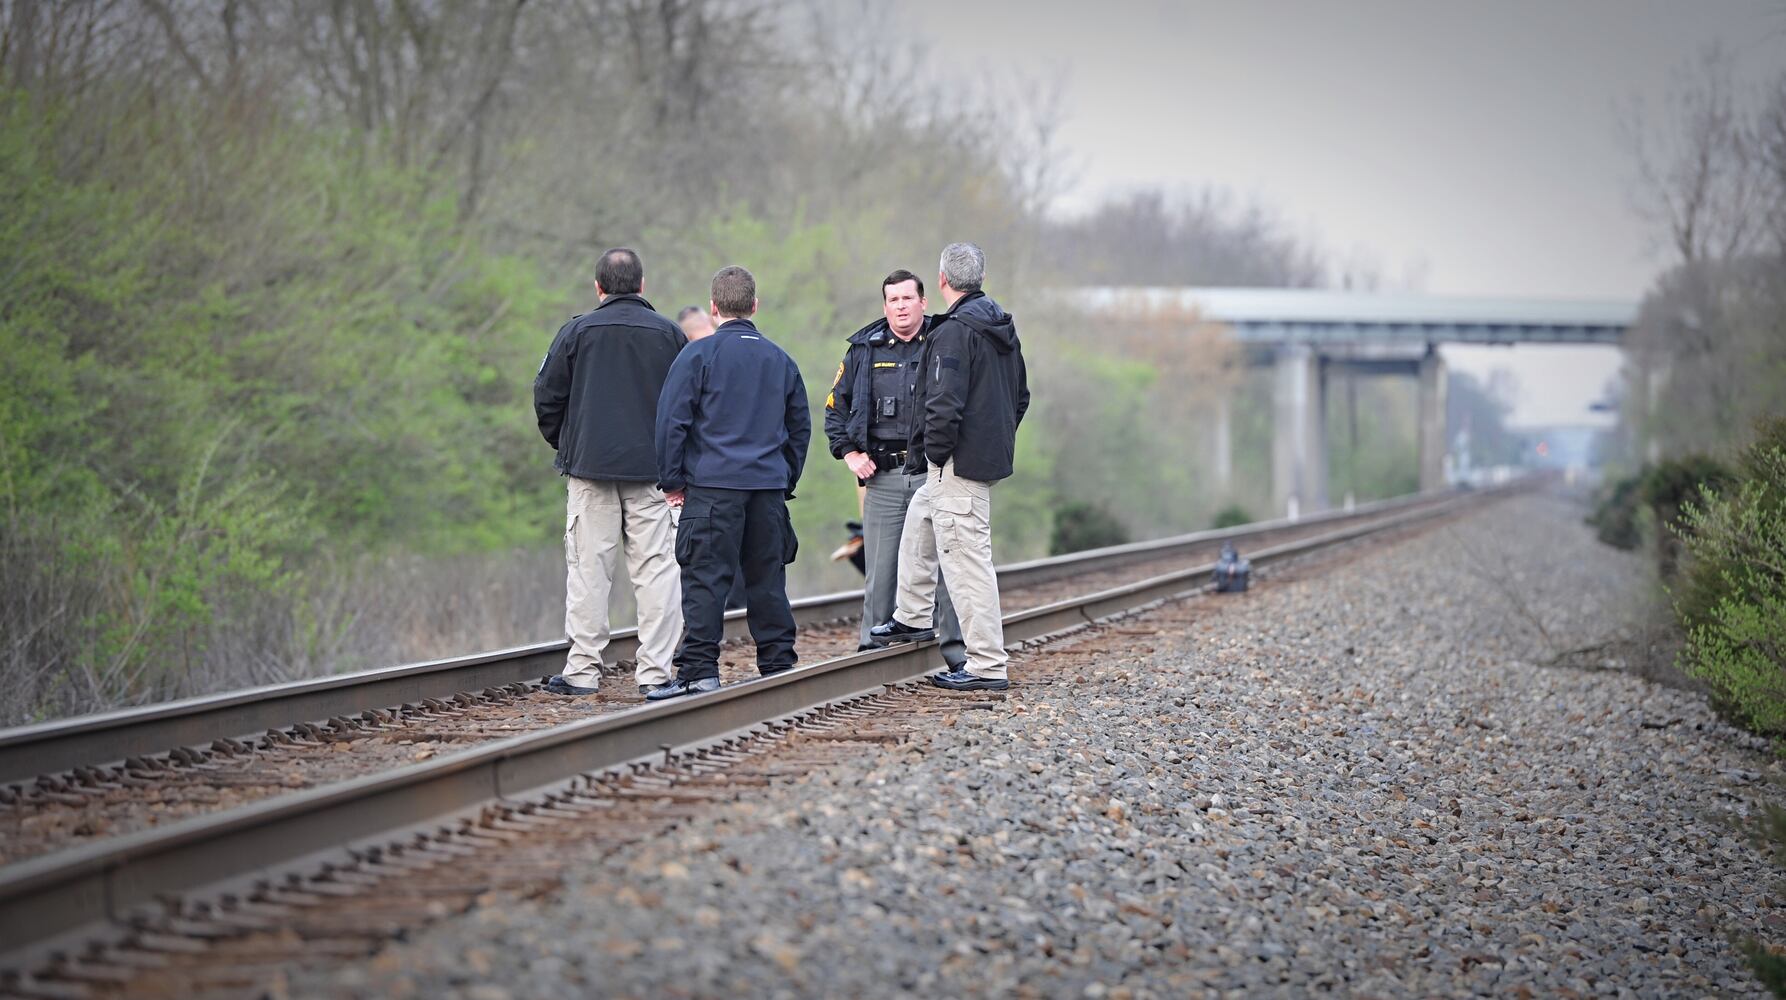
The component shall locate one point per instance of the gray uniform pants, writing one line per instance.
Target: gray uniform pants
(948, 531)
(883, 521)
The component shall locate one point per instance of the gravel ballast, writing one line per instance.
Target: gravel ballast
(1367, 777)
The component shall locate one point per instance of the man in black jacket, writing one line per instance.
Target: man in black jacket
(975, 392)
(732, 430)
(870, 414)
(596, 400)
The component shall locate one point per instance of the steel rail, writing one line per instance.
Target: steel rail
(57, 896)
(109, 737)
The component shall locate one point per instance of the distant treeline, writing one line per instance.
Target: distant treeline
(275, 278)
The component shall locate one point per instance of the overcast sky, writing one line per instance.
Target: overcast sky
(1463, 148)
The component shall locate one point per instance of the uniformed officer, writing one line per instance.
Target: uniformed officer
(868, 420)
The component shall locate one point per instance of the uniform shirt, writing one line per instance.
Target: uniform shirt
(895, 369)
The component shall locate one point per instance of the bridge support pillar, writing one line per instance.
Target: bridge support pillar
(1432, 421)
(1299, 432)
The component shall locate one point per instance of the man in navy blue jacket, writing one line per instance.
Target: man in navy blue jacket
(732, 430)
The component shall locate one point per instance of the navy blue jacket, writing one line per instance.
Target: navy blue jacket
(733, 414)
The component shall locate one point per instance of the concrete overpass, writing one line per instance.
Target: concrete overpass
(1307, 335)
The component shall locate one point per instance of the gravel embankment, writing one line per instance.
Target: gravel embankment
(1362, 780)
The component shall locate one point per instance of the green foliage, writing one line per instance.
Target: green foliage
(1648, 505)
(1080, 526)
(1732, 601)
(1231, 516)
(1666, 490)
(1614, 517)
(1769, 963)
(215, 357)
(1372, 452)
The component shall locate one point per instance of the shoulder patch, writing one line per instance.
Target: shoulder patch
(839, 376)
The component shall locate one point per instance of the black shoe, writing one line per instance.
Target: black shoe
(893, 630)
(646, 689)
(961, 680)
(772, 671)
(679, 687)
(558, 685)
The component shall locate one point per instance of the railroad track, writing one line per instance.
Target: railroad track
(157, 738)
(56, 811)
(128, 896)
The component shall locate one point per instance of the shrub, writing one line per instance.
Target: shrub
(1232, 516)
(1615, 515)
(1649, 502)
(1666, 491)
(1732, 598)
(1080, 526)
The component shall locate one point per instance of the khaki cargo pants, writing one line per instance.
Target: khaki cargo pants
(949, 523)
(601, 517)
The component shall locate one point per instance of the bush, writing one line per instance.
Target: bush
(1648, 505)
(1769, 962)
(1615, 515)
(1081, 526)
(1666, 490)
(1232, 516)
(1732, 599)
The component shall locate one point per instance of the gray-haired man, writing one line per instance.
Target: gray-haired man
(975, 391)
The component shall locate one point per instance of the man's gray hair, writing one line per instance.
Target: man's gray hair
(964, 264)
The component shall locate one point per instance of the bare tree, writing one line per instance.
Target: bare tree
(1701, 180)
(1710, 341)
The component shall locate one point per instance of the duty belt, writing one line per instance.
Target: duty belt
(886, 461)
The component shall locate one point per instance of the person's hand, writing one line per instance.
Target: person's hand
(675, 497)
(860, 464)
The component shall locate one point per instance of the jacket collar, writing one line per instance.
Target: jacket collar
(964, 300)
(737, 326)
(879, 332)
(626, 297)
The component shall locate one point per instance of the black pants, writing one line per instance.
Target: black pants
(723, 533)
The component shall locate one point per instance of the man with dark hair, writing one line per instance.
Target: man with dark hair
(732, 431)
(974, 393)
(596, 401)
(869, 418)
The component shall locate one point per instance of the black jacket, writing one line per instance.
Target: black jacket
(975, 392)
(852, 393)
(596, 392)
(733, 414)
